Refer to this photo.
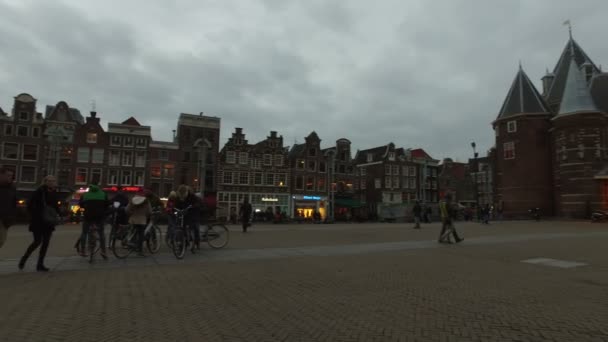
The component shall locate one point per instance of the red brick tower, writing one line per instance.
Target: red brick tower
(523, 165)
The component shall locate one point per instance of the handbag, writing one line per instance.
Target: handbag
(49, 214)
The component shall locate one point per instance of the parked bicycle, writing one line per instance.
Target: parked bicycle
(93, 242)
(216, 235)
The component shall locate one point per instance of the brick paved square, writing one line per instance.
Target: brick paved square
(324, 283)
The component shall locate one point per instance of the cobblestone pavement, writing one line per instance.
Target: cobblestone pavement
(323, 283)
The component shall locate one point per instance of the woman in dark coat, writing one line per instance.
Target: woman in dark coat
(40, 228)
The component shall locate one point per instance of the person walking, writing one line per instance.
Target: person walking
(43, 209)
(95, 204)
(446, 211)
(8, 203)
(417, 210)
(139, 209)
(486, 214)
(245, 214)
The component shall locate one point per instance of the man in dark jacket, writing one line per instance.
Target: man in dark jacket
(245, 214)
(8, 202)
(417, 210)
(95, 204)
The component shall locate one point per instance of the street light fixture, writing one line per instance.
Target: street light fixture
(475, 165)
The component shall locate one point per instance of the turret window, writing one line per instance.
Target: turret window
(509, 150)
(512, 126)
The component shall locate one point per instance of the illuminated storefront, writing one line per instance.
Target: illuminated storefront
(305, 206)
(229, 203)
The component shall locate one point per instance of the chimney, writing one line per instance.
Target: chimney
(273, 134)
(93, 114)
(239, 130)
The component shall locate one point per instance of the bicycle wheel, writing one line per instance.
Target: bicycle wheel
(153, 240)
(179, 243)
(218, 236)
(120, 243)
(93, 245)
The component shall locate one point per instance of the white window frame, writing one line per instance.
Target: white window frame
(391, 156)
(405, 183)
(118, 138)
(113, 173)
(127, 155)
(314, 166)
(243, 158)
(314, 181)
(21, 174)
(163, 155)
(413, 183)
(378, 183)
(258, 178)
(23, 152)
(300, 164)
(124, 180)
(228, 177)
(230, 157)
(37, 130)
(269, 176)
(508, 146)
(363, 171)
(363, 184)
(296, 184)
(97, 152)
(139, 154)
(278, 160)
(140, 143)
(112, 161)
(243, 178)
(396, 182)
(27, 116)
(388, 182)
(405, 170)
(370, 157)
(395, 170)
(91, 137)
(80, 153)
(27, 131)
(129, 141)
(512, 126)
(86, 177)
(267, 159)
(139, 179)
(412, 171)
(388, 169)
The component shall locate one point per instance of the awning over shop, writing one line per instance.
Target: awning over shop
(348, 203)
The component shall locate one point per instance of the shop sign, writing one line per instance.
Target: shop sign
(268, 199)
(312, 198)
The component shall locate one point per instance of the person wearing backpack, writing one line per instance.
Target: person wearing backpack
(95, 204)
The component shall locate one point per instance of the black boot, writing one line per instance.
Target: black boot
(42, 268)
(22, 262)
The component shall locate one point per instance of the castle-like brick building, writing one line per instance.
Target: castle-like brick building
(552, 148)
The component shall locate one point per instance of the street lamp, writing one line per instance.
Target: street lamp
(475, 155)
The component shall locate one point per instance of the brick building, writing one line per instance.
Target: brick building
(309, 174)
(455, 178)
(23, 145)
(258, 172)
(127, 158)
(428, 191)
(551, 149)
(163, 161)
(388, 180)
(342, 179)
(91, 145)
(198, 135)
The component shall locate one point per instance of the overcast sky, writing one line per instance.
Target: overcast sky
(430, 74)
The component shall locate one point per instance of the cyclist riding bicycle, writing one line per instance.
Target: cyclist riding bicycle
(95, 204)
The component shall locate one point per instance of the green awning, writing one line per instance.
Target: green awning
(348, 203)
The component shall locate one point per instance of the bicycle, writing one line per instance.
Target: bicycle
(122, 242)
(93, 238)
(216, 235)
(152, 233)
(181, 233)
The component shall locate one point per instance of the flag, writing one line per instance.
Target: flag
(567, 22)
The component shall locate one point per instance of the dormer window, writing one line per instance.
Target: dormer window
(370, 157)
(391, 156)
(512, 126)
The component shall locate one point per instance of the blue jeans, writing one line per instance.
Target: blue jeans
(85, 233)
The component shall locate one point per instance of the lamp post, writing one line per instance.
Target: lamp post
(475, 166)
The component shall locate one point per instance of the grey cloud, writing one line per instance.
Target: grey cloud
(419, 74)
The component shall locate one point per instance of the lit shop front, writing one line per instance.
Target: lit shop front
(229, 203)
(305, 205)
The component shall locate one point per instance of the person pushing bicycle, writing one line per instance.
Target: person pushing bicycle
(95, 204)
